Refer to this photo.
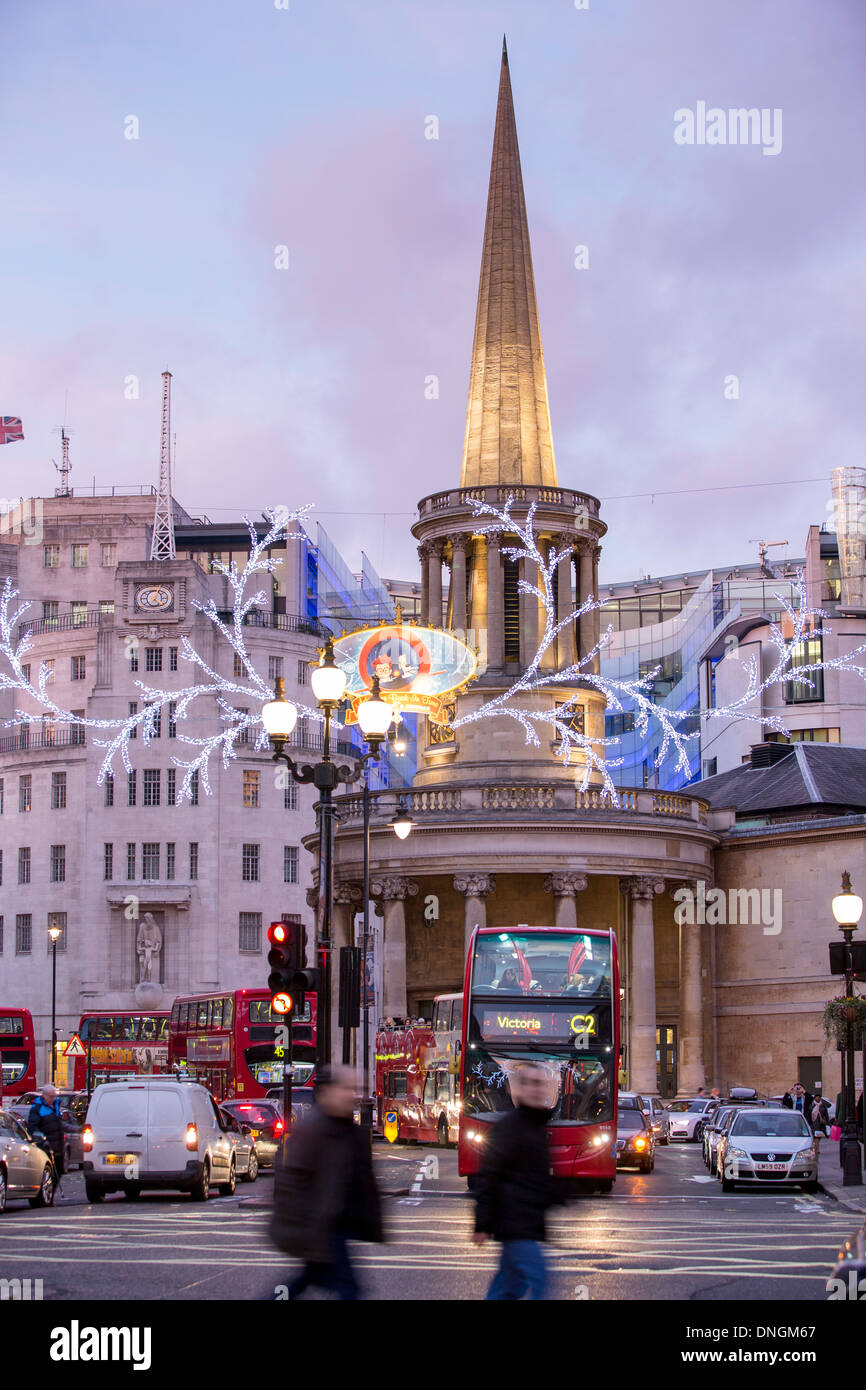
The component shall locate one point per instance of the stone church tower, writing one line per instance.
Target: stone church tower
(504, 834)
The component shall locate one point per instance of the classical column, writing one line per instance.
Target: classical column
(458, 584)
(434, 569)
(475, 888)
(690, 1035)
(564, 604)
(394, 891)
(642, 1070)
(565, 888)
(596, 612)
(528, 614)
(424, 557)
(495, 603)
(347, 901)
(584, 589)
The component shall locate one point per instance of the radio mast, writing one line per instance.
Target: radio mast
(162, 541)
(64, 467)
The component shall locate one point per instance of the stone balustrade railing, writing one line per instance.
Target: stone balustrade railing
(528, 797)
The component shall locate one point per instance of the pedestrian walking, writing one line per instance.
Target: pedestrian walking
(44, 1118)
(820, 1116)
(515, 1188)
(324, 1190)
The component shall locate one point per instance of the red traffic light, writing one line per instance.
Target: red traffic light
(282, 1003)
(278, 933)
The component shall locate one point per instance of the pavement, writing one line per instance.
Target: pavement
(667, 1235)
(830, 1178)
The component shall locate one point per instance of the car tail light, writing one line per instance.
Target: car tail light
(279, 1127)
(191, 1137)
(87, 1138)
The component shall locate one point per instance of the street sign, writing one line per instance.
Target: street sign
(75, 1047)
(390, 1125)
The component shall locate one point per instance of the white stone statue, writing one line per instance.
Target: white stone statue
(148, 944)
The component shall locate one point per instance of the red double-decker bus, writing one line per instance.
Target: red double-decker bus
(549, 996)
(237, 1046)
(418, 1075)
(122, 1043)
(17, 1051)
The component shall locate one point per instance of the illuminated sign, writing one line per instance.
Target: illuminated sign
(548, 1023)
(418, 667)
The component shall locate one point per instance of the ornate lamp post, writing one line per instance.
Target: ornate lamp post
(54, 934)
(847, 910)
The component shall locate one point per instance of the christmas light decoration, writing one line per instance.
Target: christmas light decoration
(634, 695)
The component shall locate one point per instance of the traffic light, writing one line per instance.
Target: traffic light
(349, 1011)
(286, 956)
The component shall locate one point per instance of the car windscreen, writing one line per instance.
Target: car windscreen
(629, 1119)
(680, 1106)
(252, 1114)
(772, 1124)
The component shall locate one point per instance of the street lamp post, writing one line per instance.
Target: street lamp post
(847, 910)
(54, 934)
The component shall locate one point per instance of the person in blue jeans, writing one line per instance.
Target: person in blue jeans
(514, 1188)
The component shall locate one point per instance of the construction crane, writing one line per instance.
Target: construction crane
(162, 540)
(763, 546)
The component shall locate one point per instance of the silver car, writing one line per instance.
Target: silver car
(688, 1117)
(25, 1169)
(775, 1146)
(714, 1128)
(246, 1158)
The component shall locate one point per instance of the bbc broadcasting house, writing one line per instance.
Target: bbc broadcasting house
(732, 993)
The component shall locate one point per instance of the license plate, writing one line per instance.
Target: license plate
(122, 1159)
(772, 1167)
(254, 1133)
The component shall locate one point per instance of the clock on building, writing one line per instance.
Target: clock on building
(154, 598)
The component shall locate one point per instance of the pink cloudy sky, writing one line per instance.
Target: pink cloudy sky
(261, 127)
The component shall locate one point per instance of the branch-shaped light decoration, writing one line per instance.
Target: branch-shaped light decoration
(632, 695)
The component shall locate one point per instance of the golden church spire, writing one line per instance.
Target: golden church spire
(508, 434)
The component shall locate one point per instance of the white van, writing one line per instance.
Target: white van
(156, 1132)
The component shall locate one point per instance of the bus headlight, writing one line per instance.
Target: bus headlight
(476, 1136)
(598, 1140)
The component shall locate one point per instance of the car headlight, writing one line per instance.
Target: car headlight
(808, 1152)
(731, 1152)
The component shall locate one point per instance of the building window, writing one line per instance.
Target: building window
(806, 653)
(108, 862)
(193, 859)
(172, 658)
(151, 787)
(78, 668)
(303, 673)
(25, 667)
(153, 658)
(51, 557)
(49, 670)
(79, 557)
(58, 791)
(58, 920)
(193, 788)
(109, 789)
(50, 612)
(250, 931)
(251, 788)
(244, 735)
(25, 790)
(150, 860)
(669, 672)
(106, 607)
(130, 862)
(172, 719)
(275, 668)
(108, 556)
(78, 609)
(169, 860)
(805, 736)
(133, 709)
(615, 725)
(238, 668)
(130, 788)
(290, 863)
(1, 867)
(133, 654)
(76, 733)
(711, 766)
(290, 797)
(171, 786)
(155, 720)
(249, 864)
(24, 864)
(58, 864)
(1, 796)
(23, 933)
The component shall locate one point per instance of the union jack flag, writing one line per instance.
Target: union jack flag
(10, 428)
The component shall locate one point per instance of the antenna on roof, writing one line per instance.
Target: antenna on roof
(162, 540)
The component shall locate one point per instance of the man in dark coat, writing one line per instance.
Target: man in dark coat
(44, 1117)
(325, 1192)
(515, 1188)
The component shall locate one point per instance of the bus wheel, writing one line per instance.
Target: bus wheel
(472, 1182)
(442, 1133)
(604, 1188)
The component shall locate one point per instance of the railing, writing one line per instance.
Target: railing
(591, 799)
(499, 494)
(65, 622)
(33, 739)
(436, 799)
(279, 622)
(518, 798)
(669, 804)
